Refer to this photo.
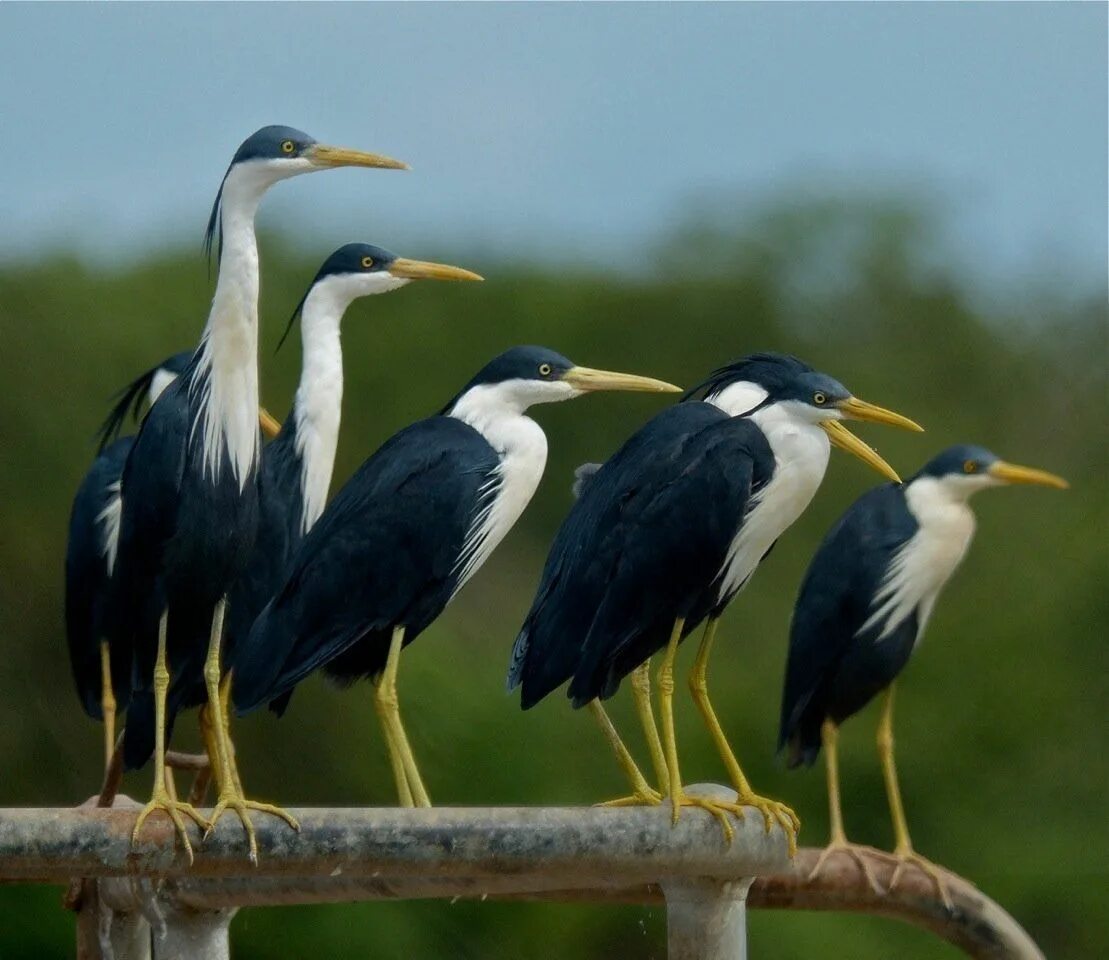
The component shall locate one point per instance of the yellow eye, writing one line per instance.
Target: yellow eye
(367, 262)
(287, 146)
(544, 369)
(970, 467)
(818, 398)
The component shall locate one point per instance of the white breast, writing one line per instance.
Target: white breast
(801, 452)
(522, 447)
(919, 570)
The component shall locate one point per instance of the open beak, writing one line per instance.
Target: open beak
(844, 439)
(423, 270)
(1014, 473)
(589, 381)
(855, 409)
(268, 422)
(322, 155)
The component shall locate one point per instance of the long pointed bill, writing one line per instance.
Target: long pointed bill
(844, 439)
(856, 409)
(423, 270)
(268, 422)
(324, 156)
(589, 381)
(1014, 473)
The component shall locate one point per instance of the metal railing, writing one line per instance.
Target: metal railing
(626, 855)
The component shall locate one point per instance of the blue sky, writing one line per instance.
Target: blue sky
(572, 131)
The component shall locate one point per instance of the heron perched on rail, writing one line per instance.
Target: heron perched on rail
(406, 533)
(104, 684)
(295, 473)
(189, 487)
(665, 534)
(863, 606)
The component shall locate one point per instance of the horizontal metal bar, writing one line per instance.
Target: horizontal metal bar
(567, 845)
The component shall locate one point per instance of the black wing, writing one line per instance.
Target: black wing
(86, 579)
(383, 554)
(664, 558)
(833, 604)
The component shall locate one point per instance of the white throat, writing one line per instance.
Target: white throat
(319, 398)
(496, 411)
(801, 449)
(229, 345)
(926, 561)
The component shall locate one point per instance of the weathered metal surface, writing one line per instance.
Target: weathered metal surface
(550, 854)
(572, 845)
(706, 919)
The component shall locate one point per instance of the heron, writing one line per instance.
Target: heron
(664, 535)
(296, 467)
(863, 606)
(404, 536)
(104, 685)
(189, 487)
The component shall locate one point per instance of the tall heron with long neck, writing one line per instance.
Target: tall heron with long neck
(189, 489)
(296, 468)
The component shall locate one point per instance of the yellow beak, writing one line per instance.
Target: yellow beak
(324, 156)
(1014, 473)
(855, 409)
(844, 439)
(269, 423)
(589, 381)
(423, 270)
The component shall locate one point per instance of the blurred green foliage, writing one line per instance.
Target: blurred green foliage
(1000, 718)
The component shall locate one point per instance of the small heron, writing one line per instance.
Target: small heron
(190, 500)
(863, 606)
(296, 468)
(665, 534)
(406, 533)
(103, 684)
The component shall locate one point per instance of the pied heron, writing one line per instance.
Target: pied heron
(189, 487)
(295, 473)
(406, 533)
(103, 684)
(665, 534)
(862, 608)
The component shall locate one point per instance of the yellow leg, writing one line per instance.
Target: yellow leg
(230, 795)
(161, 799)
(107, 703)
(413, 792)
(641, 694)
(698, 685)
(678, 797)
(642, 794)
(838, 842)
(903, 849)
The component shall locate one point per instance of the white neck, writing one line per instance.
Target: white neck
(926, 561)
(319, 397)
(496, 411)
(801, 450)
(229, 345)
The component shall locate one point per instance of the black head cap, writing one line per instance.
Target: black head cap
(961, 460)
(518, 363)
(130, 398)
(782, 376)
(349, 258)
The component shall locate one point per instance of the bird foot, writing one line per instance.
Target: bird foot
(855, 852)
(241, 806)
(905, 857)
(643, 797)
(161, 800)
(718, 808)
(773, 810)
